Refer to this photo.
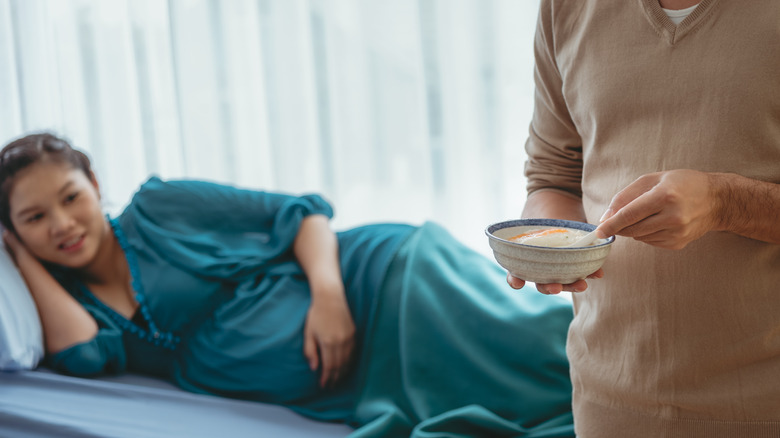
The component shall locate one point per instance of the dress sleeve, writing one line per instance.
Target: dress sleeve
(103, 354)
(218, 230)
(554, 146)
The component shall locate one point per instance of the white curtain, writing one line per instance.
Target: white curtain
(394, 110)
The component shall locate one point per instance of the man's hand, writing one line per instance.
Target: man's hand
(556, 205)
(666, 209)
(554, 288)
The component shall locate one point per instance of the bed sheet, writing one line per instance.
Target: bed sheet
(40, 403)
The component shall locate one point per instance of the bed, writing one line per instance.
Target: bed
(35, 402)
(40, 403)
(416, 358)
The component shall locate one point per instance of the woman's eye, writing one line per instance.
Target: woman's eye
(72, 197)
(34, 218)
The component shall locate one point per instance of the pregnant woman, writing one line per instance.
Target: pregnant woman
(397, 330)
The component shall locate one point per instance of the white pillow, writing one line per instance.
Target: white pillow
(21, 336)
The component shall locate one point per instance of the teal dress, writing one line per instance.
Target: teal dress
(223, 304)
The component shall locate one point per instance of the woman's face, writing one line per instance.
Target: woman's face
(56, 212)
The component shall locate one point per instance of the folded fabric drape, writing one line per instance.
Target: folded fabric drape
(454, 352)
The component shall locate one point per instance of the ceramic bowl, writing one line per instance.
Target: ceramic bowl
(541, 264)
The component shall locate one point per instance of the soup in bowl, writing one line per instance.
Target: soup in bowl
(536, 249)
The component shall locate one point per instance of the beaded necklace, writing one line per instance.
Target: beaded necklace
(151, 335)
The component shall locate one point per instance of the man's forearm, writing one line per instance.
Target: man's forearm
(747, 207)
(553, 204)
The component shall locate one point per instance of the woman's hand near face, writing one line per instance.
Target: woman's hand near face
(65, 322)
(329, 333)
(18, 251)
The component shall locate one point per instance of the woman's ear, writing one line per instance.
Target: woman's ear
(94, 181)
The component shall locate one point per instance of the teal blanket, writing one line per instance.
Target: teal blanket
(455, 352)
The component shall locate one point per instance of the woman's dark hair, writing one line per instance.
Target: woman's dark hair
(26, 151)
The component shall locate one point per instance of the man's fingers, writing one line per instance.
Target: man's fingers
(577, 286)
(620, 203)
(514, 282)
(629, 193)
(645, 205)
(649, 225)
(597, 274)
(664, 239)
(550, 289)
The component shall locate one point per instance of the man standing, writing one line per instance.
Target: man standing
(661, 120)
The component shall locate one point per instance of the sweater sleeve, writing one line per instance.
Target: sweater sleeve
(554, 146)
(103, 354)
(218, 230)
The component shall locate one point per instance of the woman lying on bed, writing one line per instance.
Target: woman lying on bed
(394, 329)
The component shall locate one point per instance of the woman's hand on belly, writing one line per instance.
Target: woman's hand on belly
(329, 334)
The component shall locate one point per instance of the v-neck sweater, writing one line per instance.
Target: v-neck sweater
(672, 343)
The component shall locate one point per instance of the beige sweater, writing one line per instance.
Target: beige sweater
(669, 343)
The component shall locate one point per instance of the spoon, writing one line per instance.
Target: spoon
(584, 240)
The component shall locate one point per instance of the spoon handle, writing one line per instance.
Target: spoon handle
(584, 240)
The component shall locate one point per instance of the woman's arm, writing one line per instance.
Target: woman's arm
(329, 332)
(65, 322)
(174, 213)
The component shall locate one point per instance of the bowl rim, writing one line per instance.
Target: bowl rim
(559, 223)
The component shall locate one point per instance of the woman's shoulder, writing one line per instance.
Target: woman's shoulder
(160, 201)
(174, 194)
(156, 186)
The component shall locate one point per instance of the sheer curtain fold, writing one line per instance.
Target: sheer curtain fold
(408, 110)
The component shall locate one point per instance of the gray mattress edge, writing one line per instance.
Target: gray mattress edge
(39, 403)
